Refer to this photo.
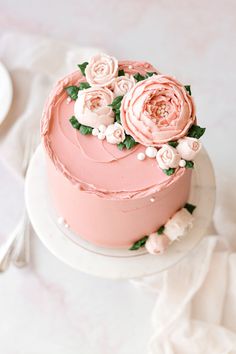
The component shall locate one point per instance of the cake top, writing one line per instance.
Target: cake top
(120, 129)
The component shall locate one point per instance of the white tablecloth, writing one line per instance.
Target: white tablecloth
(51, 308)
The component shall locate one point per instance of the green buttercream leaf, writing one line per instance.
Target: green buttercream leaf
(72, 92)
(74, 122)
(83, 67)
(151, 73)
(84, 86)
(85, 130)
(169, 172)
(188, 89)
(117, 115)
(121, 72)
(174, 144)
(161, 230)
(116, 107)
(190, 207)
(138, 77)
(139, 243)
(129, 142)
(189, 164)
(121, 146)
(116, 103)
(196, 131)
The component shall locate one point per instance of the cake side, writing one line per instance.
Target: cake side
(111, 222)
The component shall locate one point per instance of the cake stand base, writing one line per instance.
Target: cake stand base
(106, 262)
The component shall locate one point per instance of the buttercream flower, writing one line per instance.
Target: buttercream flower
(101, 70)
(188, 148)
(91, 107)
(167, 157)
(157, 244)
(115, 133)
(122, 84)
(157, 110)
(179, 224)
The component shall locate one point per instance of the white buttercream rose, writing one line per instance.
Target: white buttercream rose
(188, 148)
(178, 225)
(91, 107)
(101, 70)
(122, 84)
(167, 157)
(115, 133)
(157, 244)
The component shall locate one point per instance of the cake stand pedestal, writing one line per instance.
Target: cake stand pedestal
(114, 263)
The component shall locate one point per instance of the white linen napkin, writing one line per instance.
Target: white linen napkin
(195, 311)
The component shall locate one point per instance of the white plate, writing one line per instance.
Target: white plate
(106, 262)
(6, 92)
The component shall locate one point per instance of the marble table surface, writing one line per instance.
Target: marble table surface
(48, 307)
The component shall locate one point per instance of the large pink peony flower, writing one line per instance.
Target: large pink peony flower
(157, 110)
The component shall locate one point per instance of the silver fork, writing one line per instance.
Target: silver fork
(17, 246)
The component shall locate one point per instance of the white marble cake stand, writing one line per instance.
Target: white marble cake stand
(114, 263)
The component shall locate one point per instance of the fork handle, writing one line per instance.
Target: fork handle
(21, 251)
(6, 250)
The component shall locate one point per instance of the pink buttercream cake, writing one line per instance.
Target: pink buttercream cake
(117, 150)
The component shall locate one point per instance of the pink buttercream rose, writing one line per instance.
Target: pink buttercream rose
(188, 148)
(91, 107)
(122, 84)
(101, 70)
(157, 110)
(167, 157)
(179, 224)
(157, 244)
(115, 133)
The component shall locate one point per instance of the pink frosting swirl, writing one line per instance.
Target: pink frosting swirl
(157, 110)
(101, 70)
